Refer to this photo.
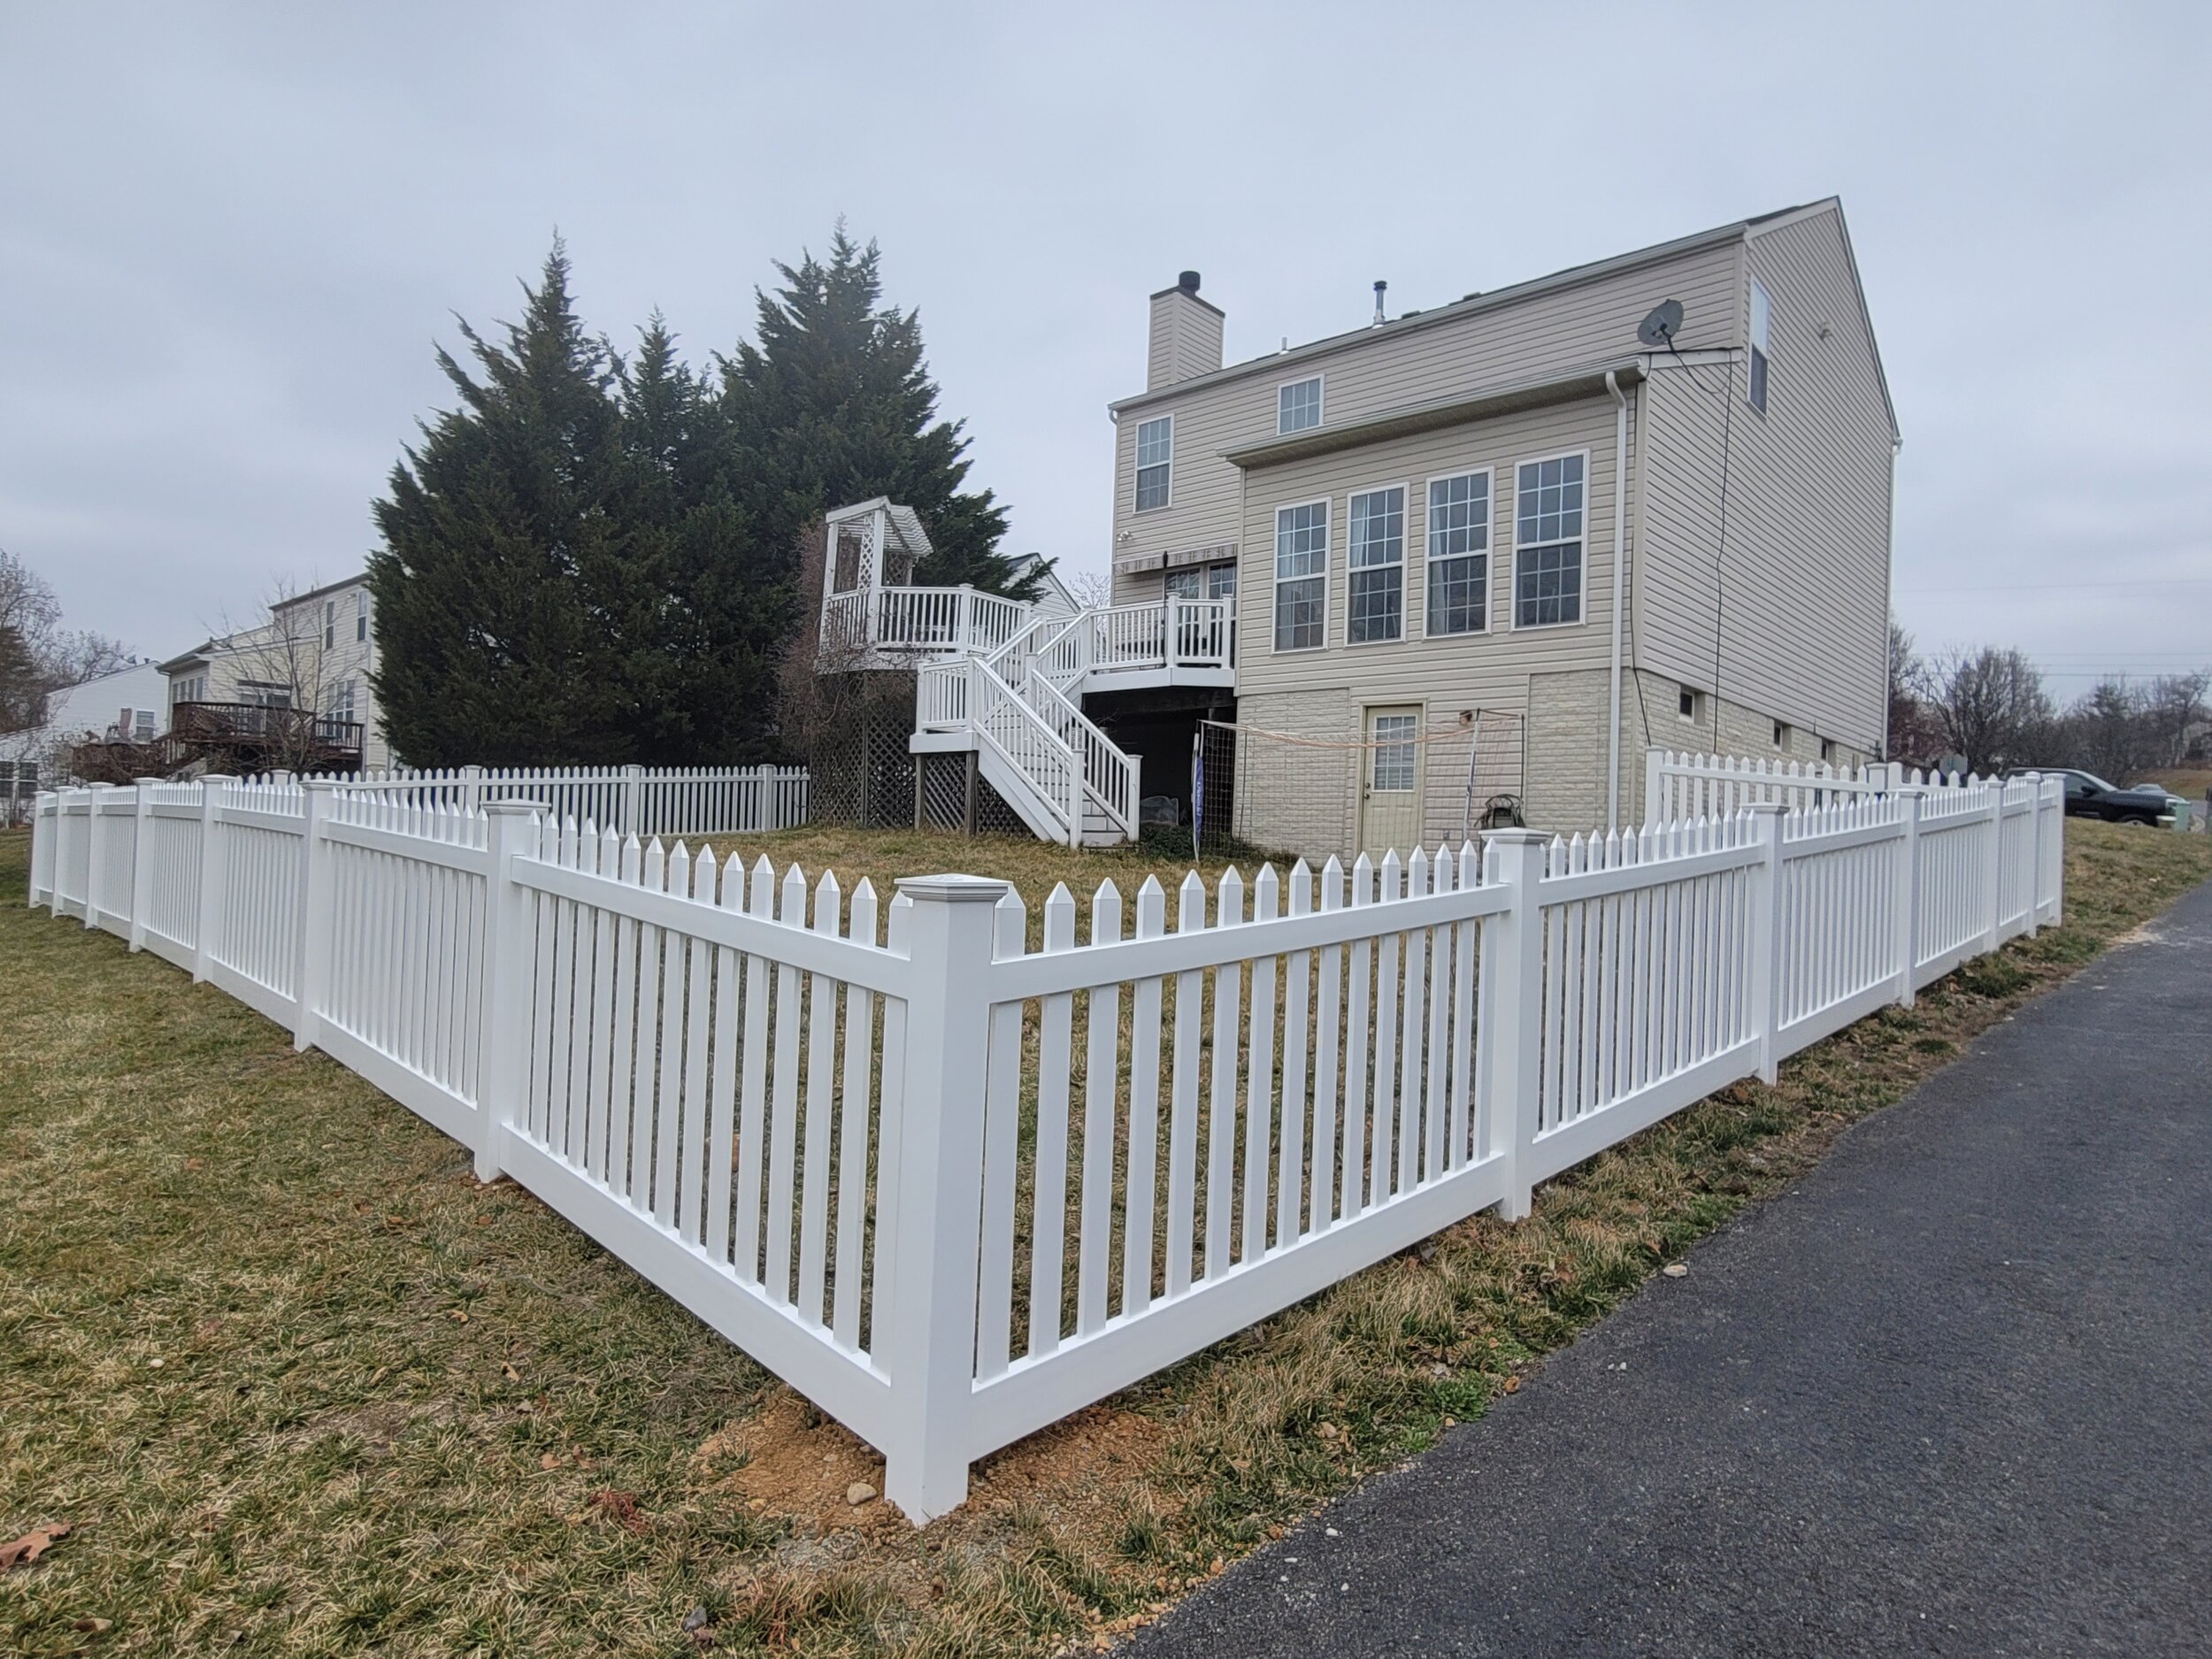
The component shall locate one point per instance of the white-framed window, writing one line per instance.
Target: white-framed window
(1547, 504)
(1186, 584)
(330, 623)
(1155, 462)
(1689, 705)
(1392, 769)
(1459, 553)
(142, 725)
(1302, 576)
(1828, 751)
(361, 614)
(342, 701)
(1762, 316)
(1298, 406)
(1375, 556)
(1781, 734)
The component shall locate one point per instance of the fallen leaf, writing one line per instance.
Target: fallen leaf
(549, 1462)
(92, 1626)
(621, 1507)
(459, 1316)
(1513, 1385)
(1675, 1269)
(512, 1374)
(32, 1545)
(192, 1164)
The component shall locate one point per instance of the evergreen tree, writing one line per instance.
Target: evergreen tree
(836, 402)
(505, 590)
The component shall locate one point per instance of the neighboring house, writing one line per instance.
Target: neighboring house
(128, 705)
(313, 657)
(1441, 513)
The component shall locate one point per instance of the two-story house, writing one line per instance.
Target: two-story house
(299, 688)
(1644, 501)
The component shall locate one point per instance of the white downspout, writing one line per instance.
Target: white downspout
(1620, 600)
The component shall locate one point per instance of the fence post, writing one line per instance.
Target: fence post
(632, 799)
(1766, 938)
(931, 1319)
(472, 788)
(142, 882)
(211, 876)
(510, 949)
(1512, 1049)
(2035, 855)
(1906, 894)
(1995, 864)
(313, 934)
(1655, 764)
(92, 855)
(42, 851)
(2057, 803)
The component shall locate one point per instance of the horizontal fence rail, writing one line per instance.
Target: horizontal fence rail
(953, 1177)
(631, 800)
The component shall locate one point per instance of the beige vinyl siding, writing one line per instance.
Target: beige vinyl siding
(1417, 667)
(1796, 612)
(1399, 365)
(1186, 340)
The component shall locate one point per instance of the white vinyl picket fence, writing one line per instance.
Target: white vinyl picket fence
(631, 800)
(953, 1186)
(1679, 787)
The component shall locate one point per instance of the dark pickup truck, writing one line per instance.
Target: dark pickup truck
(2088, 796)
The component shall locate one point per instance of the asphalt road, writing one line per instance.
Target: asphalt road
(1952, 1394)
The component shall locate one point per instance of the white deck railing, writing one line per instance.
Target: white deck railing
(951, 1187)
(931, 620)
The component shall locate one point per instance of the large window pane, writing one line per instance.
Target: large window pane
(1298, 406)
(1547, 550)
(1302, 562)
(1459, 559)
(1376, 597)
(1155, 454)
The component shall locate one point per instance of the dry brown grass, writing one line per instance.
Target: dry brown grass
(331, 1459)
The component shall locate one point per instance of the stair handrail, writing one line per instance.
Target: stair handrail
(1108, 772)
(987, 692)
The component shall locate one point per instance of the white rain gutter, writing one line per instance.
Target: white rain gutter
(1620, 599)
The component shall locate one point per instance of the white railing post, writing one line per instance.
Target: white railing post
(2035, 854)
(98, 793)
(632, 799)
(210, 915)
(1511, 1051)
(142, 877)
(1905, 884)
(1995, 864)
(931, 1323)
(314, 933)
(1654, 761)
(2057, 806)
(510, 949)
(1766, 937)
(472, 788)
(44, 841)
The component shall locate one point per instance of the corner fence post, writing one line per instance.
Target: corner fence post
(503, 1067)
(931, 1319)
(2035, 854)
(632, 799)
(211, 869)
(1652, 762)
(142, 878)
(1995, 864)
(1906, 894)
(1766, 938)
(318, 918)
(2058, 851)
(1512, 1051)
(472, 788)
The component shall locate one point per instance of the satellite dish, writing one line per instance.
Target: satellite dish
(1660, 328)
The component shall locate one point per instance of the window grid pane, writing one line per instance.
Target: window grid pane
(1151, 487)
(1457, 590)
(1302, 561)
(1392, 769)
(1547, 585)
(1155, 450)
(1376, 595)
(1549, 501)
(1298, 406)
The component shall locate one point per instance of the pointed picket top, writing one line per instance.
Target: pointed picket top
(654, 877)
(1267, 890)
(1470, 863)
(1106, 914)
(587, 853)
(1151, 909)
(860, 920)
(791, 908)
(1416, 873)
(1060, 918)
(829, 899)
(1392, 874)
(1229, 899)
(1301, 889)
(702, 876)
(609, 853)
(568, 843)
(1009, 918)
(1363, 881)
(1190, 904)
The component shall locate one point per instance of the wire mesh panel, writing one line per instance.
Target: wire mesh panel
(1256, 790)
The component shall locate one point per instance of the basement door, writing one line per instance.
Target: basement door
(1390, 795)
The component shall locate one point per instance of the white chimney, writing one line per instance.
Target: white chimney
(1185, 335)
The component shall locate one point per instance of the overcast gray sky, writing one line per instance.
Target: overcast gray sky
(229, 237)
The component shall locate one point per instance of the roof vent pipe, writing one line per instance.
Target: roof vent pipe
(1380, 286)
(1188, 281)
